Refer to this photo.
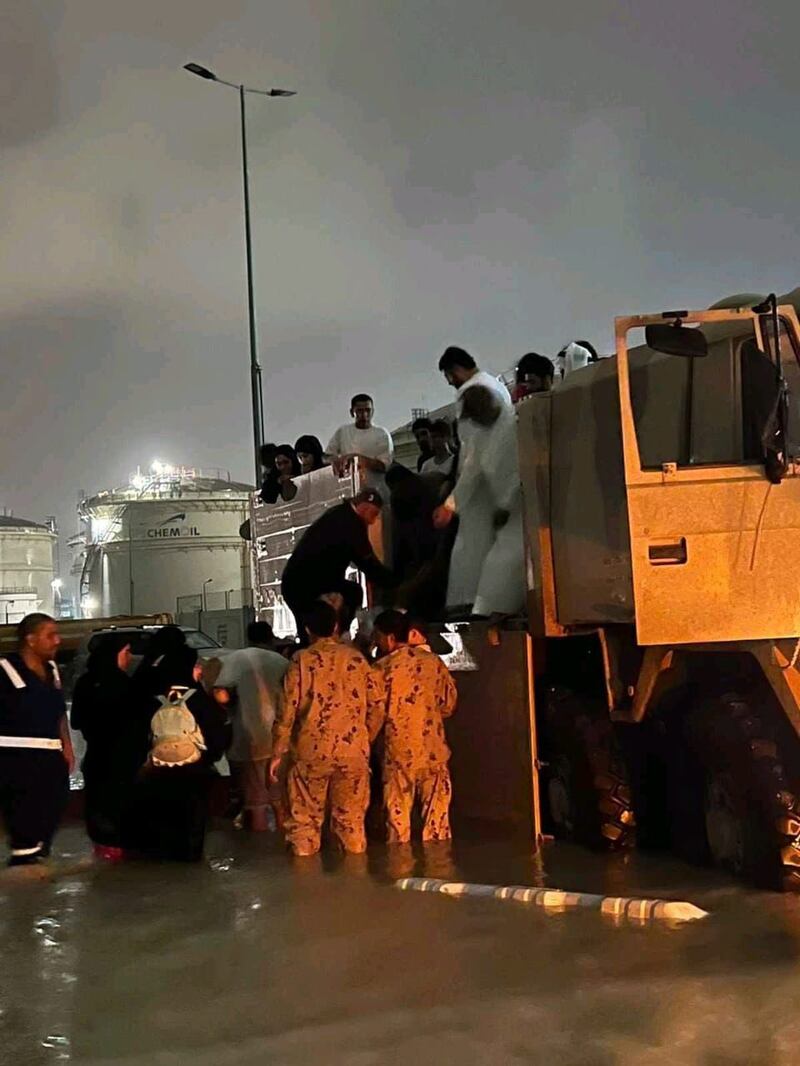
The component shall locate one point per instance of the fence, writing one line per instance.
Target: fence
(276, 529)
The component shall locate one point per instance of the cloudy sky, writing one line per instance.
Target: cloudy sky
(503, 175)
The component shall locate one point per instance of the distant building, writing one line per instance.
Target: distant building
(172, 532)
(27, 567)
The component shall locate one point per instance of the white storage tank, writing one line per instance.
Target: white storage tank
(170, 533)
(27, 571)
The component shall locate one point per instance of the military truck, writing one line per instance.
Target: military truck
(662, 496)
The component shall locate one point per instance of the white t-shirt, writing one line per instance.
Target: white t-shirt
(375, 443)
(434, 466)
(257, 676)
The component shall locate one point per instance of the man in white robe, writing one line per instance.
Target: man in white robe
(493, 454)
(476, 508)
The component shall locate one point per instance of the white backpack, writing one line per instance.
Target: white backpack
(176, 736)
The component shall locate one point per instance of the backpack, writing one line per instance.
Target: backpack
(176, 736)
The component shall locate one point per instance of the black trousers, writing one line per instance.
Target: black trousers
(34, 790)
(169, 814)
(299, 598)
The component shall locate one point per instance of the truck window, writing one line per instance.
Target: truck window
(690, 412)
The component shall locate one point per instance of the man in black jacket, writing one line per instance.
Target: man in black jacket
(337, 540)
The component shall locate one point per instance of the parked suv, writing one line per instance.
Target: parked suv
(139, 636)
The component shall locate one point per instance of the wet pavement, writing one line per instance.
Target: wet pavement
(253, 958)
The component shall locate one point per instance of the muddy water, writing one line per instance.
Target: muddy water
(253, 959)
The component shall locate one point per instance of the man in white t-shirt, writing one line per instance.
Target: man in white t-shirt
(359, 440)
(250, 684)
(443, 459)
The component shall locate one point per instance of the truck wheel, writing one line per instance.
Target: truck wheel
(587, 781)
(751, 809)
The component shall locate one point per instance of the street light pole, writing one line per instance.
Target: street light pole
(256, 395)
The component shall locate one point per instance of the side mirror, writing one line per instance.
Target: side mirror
(675, 339)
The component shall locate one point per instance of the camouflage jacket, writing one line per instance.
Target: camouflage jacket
(417, 693)
(330, 711)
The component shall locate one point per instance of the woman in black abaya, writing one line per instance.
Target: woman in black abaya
(106, 710)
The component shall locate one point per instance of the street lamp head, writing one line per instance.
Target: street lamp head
(201, 72)
(281, 92)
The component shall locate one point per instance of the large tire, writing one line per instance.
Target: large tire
(586, 778)
(750, 811)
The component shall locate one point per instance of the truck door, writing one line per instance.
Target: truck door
(711, 536)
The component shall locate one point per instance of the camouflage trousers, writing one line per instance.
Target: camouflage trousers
(311, 790)
(431, 787)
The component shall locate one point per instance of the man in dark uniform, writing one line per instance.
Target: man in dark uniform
(337, 540)
(35, 749)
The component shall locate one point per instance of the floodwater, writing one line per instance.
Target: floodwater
(252, 958)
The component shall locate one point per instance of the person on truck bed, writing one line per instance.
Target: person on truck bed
(476, 513)
(421, 428)
(337, 540)
(36, 755)
(371, 446)
(491, 467)
(286, 468)
(534, 374)
(442, 459)
(309, 453)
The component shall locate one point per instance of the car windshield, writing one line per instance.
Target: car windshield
(195, 639)
(137, 638)
(140, 638)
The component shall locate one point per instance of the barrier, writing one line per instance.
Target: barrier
(557, 901)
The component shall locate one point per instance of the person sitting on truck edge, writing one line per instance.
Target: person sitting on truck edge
(36, 756)
(309, 453)
(360, 440)
(417, 693)
(534, 374)
(337, 540)
(286, 468)
(325, 725)
(421, 428)
(270, 487)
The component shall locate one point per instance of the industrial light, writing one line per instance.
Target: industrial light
(89, 604)
(138, 481)
(101, 527)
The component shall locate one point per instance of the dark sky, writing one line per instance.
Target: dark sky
(503, 175)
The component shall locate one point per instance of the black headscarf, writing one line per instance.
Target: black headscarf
(176, 669)
(311, 446)
(165, 641)
(289, 453)
(102, 663)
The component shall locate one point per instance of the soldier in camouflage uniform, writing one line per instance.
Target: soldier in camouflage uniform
(417, 693)
(327, 721)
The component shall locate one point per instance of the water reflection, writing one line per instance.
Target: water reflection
(257, 958)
